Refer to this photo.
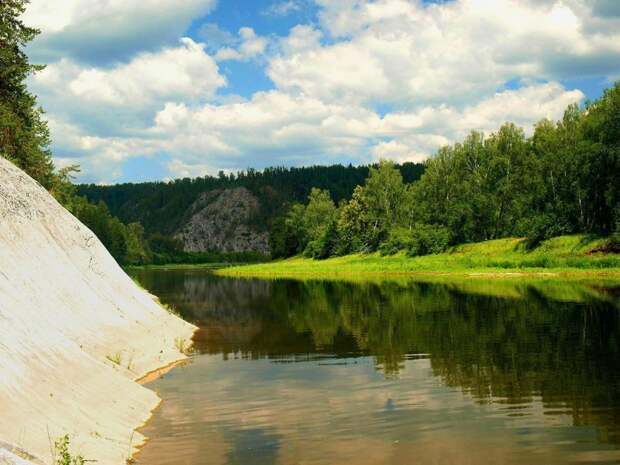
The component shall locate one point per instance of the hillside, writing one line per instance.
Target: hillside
(168, 207)
(75, 332)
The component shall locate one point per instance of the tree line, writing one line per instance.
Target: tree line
(564, 179)
(161, 206)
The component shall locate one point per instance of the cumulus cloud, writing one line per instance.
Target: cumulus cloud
(127, 95)
(301, 38)
(407, 53)
(181, 72)
(436, 71)
(414, 136)
(215, 37)
(275, 128)
(249, 46)
(106, 31)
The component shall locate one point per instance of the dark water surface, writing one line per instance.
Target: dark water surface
(290, 372)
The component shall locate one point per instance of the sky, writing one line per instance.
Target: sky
(138, 90)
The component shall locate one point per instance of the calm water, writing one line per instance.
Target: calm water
(290, 372)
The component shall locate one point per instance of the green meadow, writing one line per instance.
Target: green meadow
(575, 255)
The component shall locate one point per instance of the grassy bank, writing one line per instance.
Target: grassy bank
(567, 255)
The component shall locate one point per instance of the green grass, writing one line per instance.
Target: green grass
(63, 456)
(566, 255)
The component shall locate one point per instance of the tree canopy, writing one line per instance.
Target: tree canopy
(563, 179)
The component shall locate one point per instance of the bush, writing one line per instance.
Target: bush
(421, 239)
(325, 246)
(429, 239)
(399, 238)
(543, 227)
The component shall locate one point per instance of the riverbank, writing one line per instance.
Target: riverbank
(75, 335)
(565, 256)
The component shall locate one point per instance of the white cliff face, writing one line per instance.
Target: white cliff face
(66, 311)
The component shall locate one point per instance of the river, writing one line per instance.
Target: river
(388, 372)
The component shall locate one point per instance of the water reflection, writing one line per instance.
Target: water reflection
(335, 372)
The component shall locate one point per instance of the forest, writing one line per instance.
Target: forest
(160, 206)
(564, 179)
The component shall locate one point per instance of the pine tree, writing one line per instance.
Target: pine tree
(24, 135)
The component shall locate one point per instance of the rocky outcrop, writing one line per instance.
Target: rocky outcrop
(75, 334)
(220, 220)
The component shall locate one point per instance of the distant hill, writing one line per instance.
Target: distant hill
(176, 207)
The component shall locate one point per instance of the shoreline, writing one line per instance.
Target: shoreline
(565, 257)
(275, 273)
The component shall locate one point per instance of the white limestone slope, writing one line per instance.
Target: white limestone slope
(66, 308)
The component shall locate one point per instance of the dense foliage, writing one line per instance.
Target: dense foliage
(161, 206)
(24, 136)
(563, 179)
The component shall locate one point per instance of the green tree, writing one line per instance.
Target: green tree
(354, 225)
(288, 235)
(24, 135)
(318, 214)
(384, 194)
(138, 249)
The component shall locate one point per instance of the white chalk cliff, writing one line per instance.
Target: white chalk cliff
(68, 314)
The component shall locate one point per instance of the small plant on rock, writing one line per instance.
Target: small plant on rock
(115, 358)
(62, 454)
(183, 345)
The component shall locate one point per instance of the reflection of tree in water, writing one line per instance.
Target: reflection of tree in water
(492, 347)
(511, 348)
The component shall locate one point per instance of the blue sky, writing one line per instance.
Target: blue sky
(155, 89)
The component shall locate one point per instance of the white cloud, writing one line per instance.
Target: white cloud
(172, 73)
(275, 128)
(250, 46)
(215, 37)
(284, 8)
(129, 94)
(104, 31)
(436, 71)
(301, 38)
(407, 53)
(414, 136)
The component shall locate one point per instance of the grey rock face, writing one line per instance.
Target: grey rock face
(219, 220)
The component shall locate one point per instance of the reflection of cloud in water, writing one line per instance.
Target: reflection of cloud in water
(515, 376)
(328, 416)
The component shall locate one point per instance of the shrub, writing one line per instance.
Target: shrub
(615, 237)
(543, 227)
(398, 239)
(62, 455)
(429, 239)
(421, 239)
(325, 246)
